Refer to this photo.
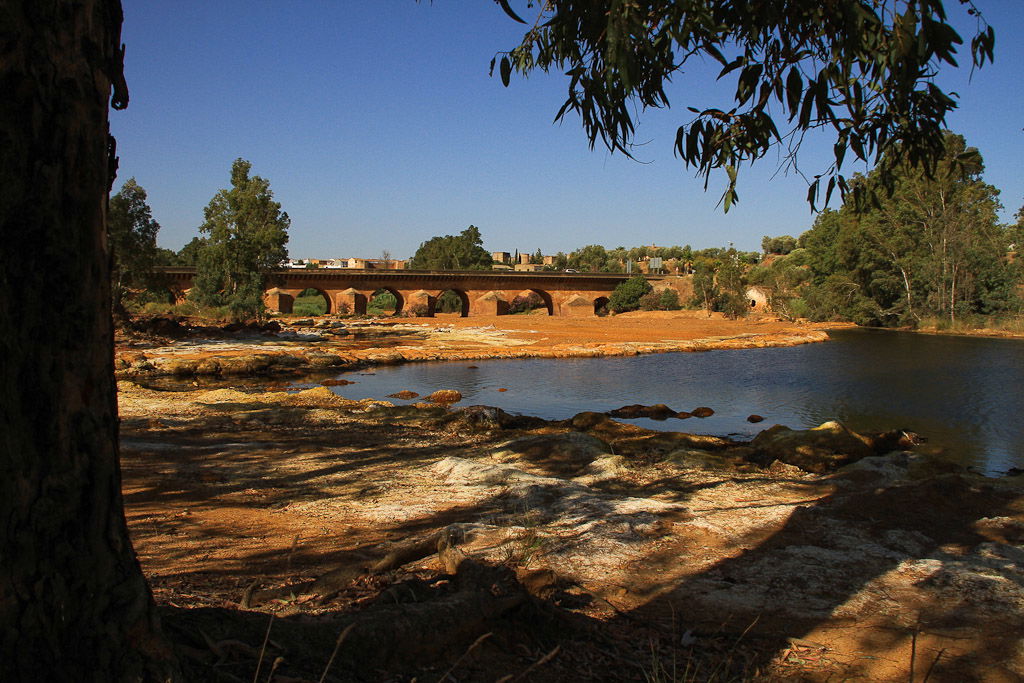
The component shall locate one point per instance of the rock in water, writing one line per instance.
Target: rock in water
(821, 449)
(659, 411)
(445, 396)
(405, 394)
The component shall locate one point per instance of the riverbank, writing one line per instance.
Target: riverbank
(631, 552)
(984, 332)
(175, 347)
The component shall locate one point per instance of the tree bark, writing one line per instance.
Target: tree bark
(73, 602)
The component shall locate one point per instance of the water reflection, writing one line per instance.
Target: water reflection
(958, 392)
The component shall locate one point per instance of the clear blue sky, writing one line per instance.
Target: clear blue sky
(378, 127)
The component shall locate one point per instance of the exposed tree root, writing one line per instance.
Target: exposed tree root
(333, 582)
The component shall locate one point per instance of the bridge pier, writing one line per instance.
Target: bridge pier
(352, 300)
(279, 300)
(490, 303)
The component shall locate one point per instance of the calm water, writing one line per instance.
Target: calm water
(961, 393)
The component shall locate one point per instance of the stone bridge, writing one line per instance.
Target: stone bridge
(417, 291)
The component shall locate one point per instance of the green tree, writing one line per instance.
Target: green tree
(592, 258)
(627, 295)
(448, 302)
(932, 246)
(864, 71)
(732, 298)
(617, 258)
(783, 279)
(166, 257)
(246, 237)
(778, 245)
(188, 255)
(665, 300)
(705, 290)
(537, 258)
(131, 234)
(464, 251)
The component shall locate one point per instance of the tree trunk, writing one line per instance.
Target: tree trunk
(952, 299)
(73, 602)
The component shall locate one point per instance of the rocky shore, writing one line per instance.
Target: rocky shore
(468, 540)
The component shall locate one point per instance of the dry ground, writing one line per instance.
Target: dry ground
(637, 327)
(328, 343)
(645, 554)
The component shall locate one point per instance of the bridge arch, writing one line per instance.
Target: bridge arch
(350, 301)
(546, 299)
(329, 308)
(399, 299)
(463, 302)
(601, 305)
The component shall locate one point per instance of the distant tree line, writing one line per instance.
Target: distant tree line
(908, 247)
(594, 258)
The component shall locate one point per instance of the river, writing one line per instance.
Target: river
(961, 393)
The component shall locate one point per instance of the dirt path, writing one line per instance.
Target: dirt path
(662, 547)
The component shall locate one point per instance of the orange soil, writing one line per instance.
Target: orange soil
(638, 327)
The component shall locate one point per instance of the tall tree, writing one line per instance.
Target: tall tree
(246, 237)
(863, 70)
(74, 605)
(131, 232)
(464, 251)
(941, 233)
(732, 298)
(705, 290)
(932, 246)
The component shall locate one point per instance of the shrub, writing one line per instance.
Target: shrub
(798, 308)
(416, 311)
(733, 305)
(664, 300)
(154, 308)
(136, 301)
(669, 300)
(649, 301)
(627, 295)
